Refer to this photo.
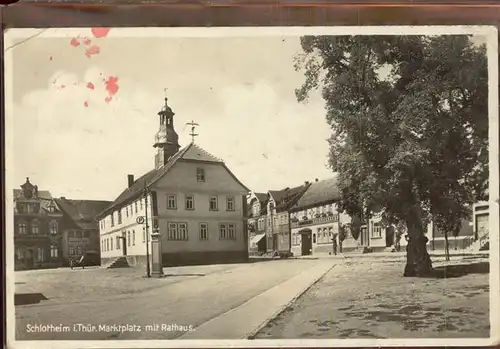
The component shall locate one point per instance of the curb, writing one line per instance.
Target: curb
(284, 307)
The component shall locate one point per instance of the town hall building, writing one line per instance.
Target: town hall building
(190, 198)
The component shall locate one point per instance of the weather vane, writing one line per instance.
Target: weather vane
(193, 126)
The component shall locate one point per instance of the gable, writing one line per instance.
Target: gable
(195, 153)
(182, 177)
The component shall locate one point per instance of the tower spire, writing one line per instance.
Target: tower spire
(166, 139)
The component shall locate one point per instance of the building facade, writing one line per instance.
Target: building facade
(316, 224)
(278, 217)
(190, 198)
(79, 227)
(257, 222)
(37, 238)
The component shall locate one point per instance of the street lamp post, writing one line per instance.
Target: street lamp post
(144, 220)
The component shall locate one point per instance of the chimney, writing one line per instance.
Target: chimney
(130, 178)
(63, 198)
(316, 180)
(306, 182)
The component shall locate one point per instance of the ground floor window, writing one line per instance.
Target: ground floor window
(118, 243)
(78, 250)
(40, 254)
(203, 231)
(53, 251)
(177, 231)
(71, 251)
(133, 237)
(376, 230)
(227, 231)
(19, 253)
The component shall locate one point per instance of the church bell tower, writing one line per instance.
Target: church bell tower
(166, 139)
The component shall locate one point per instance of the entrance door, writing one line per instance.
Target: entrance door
(29, 258)
(389, 236)
(275, 242)
(306, 245)
(124, 243)
(364, 239)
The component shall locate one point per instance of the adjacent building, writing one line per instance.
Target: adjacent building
(278, 217)
(257, 222)
(79, 227)
(190, 198)
(37, 238)
(316, 226)
(316, 221)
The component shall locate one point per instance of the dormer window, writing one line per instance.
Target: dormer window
(200, 174)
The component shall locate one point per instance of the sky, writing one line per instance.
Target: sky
(85, 109)
(77, 138)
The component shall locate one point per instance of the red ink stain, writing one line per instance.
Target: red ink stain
(108, 99)
(74, 42)
(86, 104)
(62, 86)
(93, 50)
(51, 58)
(87, 42)
(100, 32)
(90, 86)
(112, 85)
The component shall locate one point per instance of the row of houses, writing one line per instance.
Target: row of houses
(202, 213)
(305, 220)
(49, 232)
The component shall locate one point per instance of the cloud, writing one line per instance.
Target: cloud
(63, 144)
(73, 142)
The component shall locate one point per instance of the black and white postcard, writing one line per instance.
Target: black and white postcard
(252, 187)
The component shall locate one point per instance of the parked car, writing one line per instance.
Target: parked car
(86, 260)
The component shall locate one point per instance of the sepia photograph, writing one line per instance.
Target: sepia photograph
(252, 187)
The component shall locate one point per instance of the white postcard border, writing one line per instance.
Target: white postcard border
(14, 37)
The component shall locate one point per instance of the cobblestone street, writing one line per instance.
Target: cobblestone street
(369, 298)
(188, 296)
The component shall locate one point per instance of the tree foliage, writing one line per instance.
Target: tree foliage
(409, 123)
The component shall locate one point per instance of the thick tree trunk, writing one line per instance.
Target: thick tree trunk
(418, 261)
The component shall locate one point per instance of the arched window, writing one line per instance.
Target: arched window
(53, 227)
(22, 227)
(35, 228)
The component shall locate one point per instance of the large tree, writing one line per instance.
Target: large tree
(410, 127)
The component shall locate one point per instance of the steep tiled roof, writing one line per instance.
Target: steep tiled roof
(285, 198)
(42, 194)
(319, 192)
(194, 152)
(83, 212)
(262, 197)
(191, 153)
